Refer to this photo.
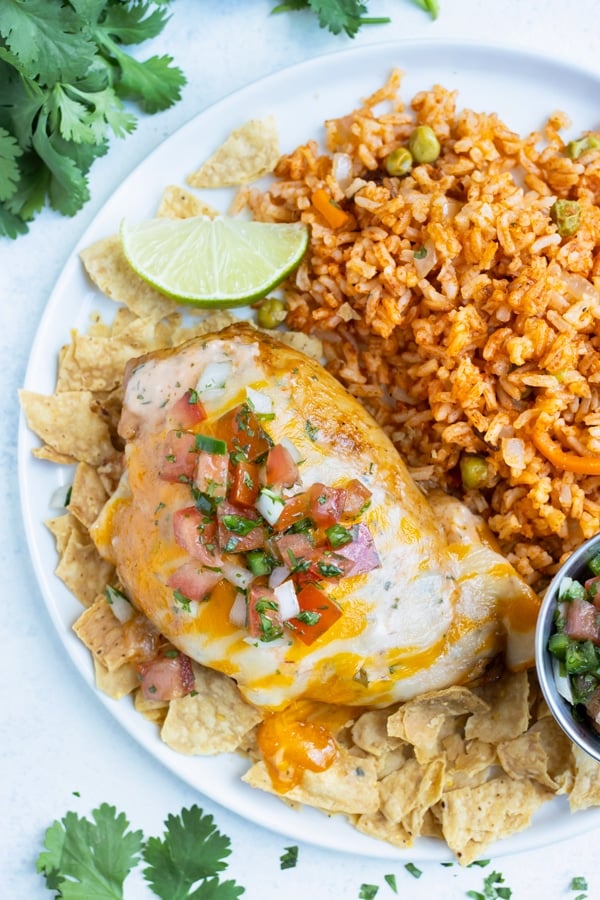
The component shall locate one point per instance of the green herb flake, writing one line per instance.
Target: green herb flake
(391, 880)
(311, 430)
(491, 889)
(579, 883)
(413, 870)
(368, 891)
(289, 858)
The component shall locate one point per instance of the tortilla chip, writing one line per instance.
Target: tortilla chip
(473, 765)
(473, 818)
(425, 721)
(507, 713)
(543, 754)
(212, 323)
(106, 265)
(80, 566)
(586, 787)
(304, 343)
(177, 203)
(67, 423)
(88, 494)
(377, 826)
(249, 152)
(102, 633)
(406, 795)
(215, 719)
(49, 454)
(370, 733)
(61, 528)
(119, 682)
(348, 786)
(153, 710)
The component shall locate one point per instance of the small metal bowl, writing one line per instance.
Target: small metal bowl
(580, 732)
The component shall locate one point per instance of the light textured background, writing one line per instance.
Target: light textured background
(55, 738)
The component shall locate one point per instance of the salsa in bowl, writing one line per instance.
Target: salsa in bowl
(567, 647)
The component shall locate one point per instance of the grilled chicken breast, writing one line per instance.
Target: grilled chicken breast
(270, 530)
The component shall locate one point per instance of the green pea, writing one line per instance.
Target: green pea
(566, 214)
(473, 471)
(399, 162)
(271, 313)
(424, 145)
(586, 142)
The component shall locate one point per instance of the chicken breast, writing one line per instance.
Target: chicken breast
(270, 530)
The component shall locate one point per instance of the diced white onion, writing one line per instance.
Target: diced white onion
(262, 403)
(287, 600)
(269, 505)
(121, 607)
(564, 586)
(215, 376)
(342, 169)
(58, 499)
(562, 682)
(278, 576)
(237, 613)
(237, 575)
(291, 449)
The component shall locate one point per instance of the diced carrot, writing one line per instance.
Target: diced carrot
(333, 214)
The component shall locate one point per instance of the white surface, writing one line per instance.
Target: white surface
(300, 98)
(56, 737)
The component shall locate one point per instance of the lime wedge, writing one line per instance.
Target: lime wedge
(213, 262)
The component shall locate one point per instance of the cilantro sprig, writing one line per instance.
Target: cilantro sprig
(346, 15)
(86, 858)
(64, 74)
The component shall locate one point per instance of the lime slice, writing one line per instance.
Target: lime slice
(213, 262)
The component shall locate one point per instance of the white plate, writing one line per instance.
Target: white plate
(523, 89)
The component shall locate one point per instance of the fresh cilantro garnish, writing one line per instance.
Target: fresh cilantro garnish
(193, 850)
(90, 859)
(367, 891)
(491, 891)
(63, 77)
(289, 857)
(413, 870)
(579, 883)
(391, 880)
(346, 15)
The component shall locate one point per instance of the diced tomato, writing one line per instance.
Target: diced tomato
(326, 504)
(211, 474)
(197, 535)
(323, 565)
(292, 547)
(357, 498)
(582, 621)
(264, 617)
(166, 677)
(361, 551)
(187, 411)
(235, 531)
(194, 581)
(295, 509)
(280, 469)
(178, 459)
(243, 433)
(318, 611)
(245, 484)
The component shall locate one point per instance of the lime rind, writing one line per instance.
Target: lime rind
(220, 262)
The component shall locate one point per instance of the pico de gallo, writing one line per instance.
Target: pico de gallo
(252, 522)
(575, 643)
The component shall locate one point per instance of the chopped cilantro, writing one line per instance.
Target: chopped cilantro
(578, 883)
(491, 890)
(311, 430)
(367, 891)
(391, 880)
(289, 857)
(413, 870)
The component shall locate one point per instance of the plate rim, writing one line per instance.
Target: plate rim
(46, 581)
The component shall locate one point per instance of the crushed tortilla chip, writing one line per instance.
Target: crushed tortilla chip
(507, 713)
(543, 753)
(407, 794)
(472, 818)
(88, 494)
(118, 683)
(80, 566)
(348, 786)
(102, 633)
(586, 787)
(249, 152)
(67, 423)
(177, 203)
(214, 719)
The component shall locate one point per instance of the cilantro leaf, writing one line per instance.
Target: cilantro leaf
(289, 858)
(86, 859)
(46, 39)
(134, 23)
(9, 168)
(11, 226)
(192, 850)
(343, 15)
(430, 6)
